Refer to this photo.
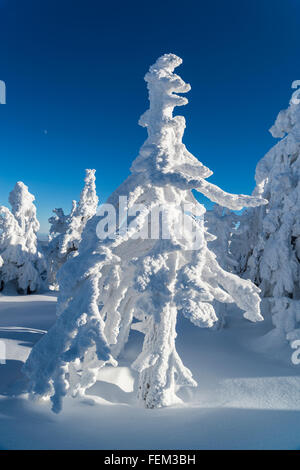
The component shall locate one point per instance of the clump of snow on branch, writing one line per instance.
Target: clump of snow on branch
(66, 230)
(268, 244)
(20, 259)
(134, 280)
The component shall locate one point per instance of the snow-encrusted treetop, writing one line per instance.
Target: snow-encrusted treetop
(164, 130)
(24, 211)
(288, 120)
(287, 128)
(162, 83)
(20, 259)
(177, 166)
(66, 229)
(21, 201)
(81, 213)
(88, 201)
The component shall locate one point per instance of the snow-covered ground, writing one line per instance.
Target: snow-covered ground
(245, 399)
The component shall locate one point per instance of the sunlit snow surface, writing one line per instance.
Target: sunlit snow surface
(244, 399)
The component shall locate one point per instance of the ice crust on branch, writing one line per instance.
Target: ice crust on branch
(20, 259)
(143, 282)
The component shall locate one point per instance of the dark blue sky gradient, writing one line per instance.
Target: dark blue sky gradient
(75, 69)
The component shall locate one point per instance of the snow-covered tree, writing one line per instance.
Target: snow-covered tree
(142, 270)
(221, 223)
(20, 259)
(268, 242)
(66, 230)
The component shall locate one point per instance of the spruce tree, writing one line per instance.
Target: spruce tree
(143, 274)
(268, 242)
(66, 230)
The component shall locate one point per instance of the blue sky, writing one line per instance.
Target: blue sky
(74, 74)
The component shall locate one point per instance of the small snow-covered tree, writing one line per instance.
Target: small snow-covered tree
(139, 272)
(66, 230)
(268, 243)
(20, 260)
(221, 223)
